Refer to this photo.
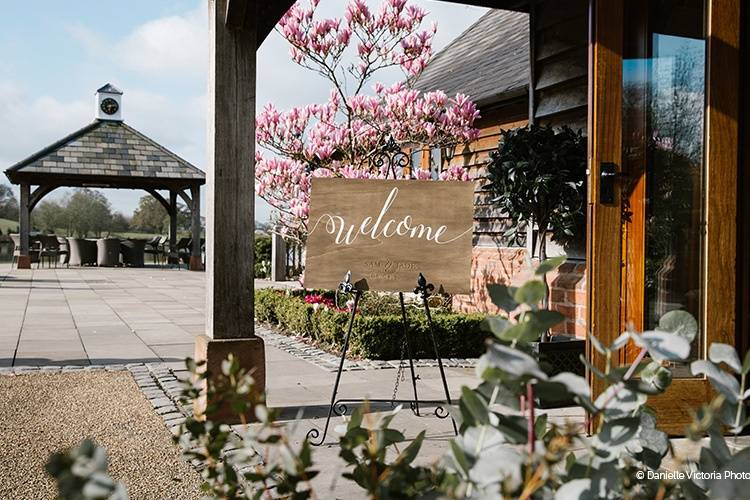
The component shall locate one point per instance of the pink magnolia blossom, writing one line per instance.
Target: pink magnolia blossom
(339, 137)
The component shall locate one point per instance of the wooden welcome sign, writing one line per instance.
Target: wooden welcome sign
(387, 232)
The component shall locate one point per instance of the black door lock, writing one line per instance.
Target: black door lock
(607, 175)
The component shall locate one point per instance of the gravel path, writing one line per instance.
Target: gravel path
(43, 413)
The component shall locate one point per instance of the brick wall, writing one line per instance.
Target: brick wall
(510, 266)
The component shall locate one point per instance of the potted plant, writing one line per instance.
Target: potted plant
(537, 177)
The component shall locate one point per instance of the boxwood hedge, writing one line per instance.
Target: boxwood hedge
(375, 336)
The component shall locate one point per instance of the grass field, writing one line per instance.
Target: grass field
(6, 224)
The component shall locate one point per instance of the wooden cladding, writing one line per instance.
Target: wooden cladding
(559, 55)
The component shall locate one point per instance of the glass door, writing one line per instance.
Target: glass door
(664, 77)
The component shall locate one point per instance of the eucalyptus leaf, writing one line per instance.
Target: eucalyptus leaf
(579, 489)
(720, 380)
(497, 325)
(656, 376)
(663, 346)
(531, 293)
(514, 363)
(550, 265)
(616, 401)
(680, 323)
(502, 297)
(476, 406)
(724, 353)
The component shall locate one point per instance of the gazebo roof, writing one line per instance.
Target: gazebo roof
(107, 154)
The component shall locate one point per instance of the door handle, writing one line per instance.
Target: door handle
(608, 174)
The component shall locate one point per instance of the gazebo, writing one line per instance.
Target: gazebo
(108, 153)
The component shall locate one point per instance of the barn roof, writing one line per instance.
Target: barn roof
(489, 61)
(108, 152)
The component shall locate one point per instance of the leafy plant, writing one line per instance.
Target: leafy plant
(81, 474)
(537, 176)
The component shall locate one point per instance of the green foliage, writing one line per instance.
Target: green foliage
(81, 474)
(50, 216)
(537, 175)
(365, 451)
(233, 466)
(374, 336)
(151, 217)
(88, 212)
(8, 203)
(262, 255)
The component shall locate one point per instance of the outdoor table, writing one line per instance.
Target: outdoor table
(133, 251)
(82, 251)
(108, 252)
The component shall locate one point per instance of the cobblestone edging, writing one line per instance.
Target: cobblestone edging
(330, 362)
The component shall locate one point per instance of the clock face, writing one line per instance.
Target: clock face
(109, 106)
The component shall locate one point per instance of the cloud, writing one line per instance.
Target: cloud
(171, 46)
(30, 123)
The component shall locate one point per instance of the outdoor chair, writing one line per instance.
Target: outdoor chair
(82, 252)
(155, 247)
(133, 252)
(63, 252)
(50, 248)
(33, 249)
(16, 238)
(108, 252)
(184, 249)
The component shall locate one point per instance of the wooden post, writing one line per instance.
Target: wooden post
(172, 220)
(24, 214)
(230, 174)
(278, 257)
(196, 263)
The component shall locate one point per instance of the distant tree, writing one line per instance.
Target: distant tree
(50, 216)
(89, 212)
(184, 222)
(150, 216)
(8, 203)
(119, 222)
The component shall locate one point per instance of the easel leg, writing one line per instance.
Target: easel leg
(437, 356)
(314, 433)
(408, 350)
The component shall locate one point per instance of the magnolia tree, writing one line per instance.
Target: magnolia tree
(339, 137)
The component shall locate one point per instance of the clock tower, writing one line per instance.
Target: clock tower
(109, 103)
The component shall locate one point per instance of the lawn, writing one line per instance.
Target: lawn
(7, 225)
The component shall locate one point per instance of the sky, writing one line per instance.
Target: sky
(54, 55)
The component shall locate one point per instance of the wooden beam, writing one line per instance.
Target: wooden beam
(267, 14)
(173, 222)
(230, 171)
(185, 197)
(24, 221)
(160, 199)
(39, 193)
(196, 263)
(236, 12)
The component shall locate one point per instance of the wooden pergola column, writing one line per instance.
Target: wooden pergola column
(24, 222)
(173, 221)
(230, 170)
(196, 263)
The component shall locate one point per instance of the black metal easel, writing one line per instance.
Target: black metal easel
(388, 159)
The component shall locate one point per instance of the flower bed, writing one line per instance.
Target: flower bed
(377, 332)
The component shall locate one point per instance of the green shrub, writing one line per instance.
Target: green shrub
(266, 300)
(374, 336)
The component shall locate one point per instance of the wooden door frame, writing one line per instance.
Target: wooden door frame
(604, 236)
